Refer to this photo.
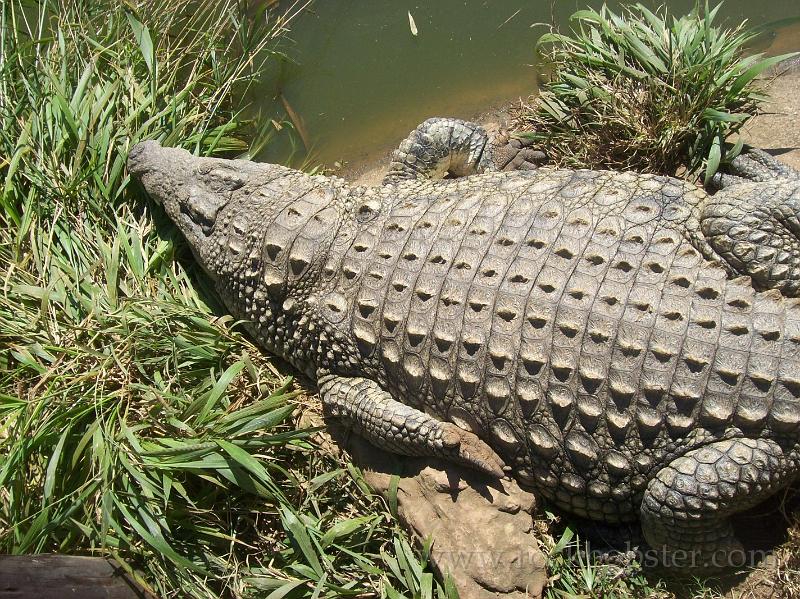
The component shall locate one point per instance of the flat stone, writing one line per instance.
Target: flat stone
(482, 530)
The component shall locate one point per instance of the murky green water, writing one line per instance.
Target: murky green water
(360, 80)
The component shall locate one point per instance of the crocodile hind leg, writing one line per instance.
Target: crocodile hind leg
(399, 428)
(686, 507)
(441, 147)
(755, 229)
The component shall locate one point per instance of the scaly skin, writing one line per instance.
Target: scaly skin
(590, 332)
(451, 147)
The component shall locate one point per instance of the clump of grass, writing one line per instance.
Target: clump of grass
(577, 572)
(644, 91)
(577, 569)
(133, 422)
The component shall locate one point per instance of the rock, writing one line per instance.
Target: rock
(482, 533)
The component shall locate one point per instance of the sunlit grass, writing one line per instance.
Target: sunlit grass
(576, 572)
(643, 91)
(134, 421)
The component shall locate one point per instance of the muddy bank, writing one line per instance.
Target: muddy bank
(776, 130)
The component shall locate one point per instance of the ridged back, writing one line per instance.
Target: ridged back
(569, 318)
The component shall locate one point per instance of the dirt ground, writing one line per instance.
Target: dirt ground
(777, 130)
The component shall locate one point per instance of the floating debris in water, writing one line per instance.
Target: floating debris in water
(412, 24)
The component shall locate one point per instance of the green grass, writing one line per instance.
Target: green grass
(574, 573)
(645, 91)
(134, 422)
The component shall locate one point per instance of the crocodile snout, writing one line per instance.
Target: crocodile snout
(139, 158)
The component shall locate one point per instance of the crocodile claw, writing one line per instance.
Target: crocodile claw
(469, 450)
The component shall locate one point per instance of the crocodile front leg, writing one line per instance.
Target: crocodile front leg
(399, 428)
(441, 147)
(686, 507)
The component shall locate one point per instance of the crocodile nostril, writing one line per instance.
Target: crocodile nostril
(202, 208)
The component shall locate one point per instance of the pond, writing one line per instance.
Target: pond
(359, 80)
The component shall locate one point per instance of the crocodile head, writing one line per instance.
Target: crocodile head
(196, 191)
(240, 218)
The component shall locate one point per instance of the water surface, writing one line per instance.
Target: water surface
(359, 80)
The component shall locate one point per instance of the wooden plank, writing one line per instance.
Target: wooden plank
(64, 577)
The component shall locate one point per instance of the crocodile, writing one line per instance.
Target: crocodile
(627, 345)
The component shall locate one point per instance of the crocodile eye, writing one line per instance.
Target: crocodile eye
(202, 208)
